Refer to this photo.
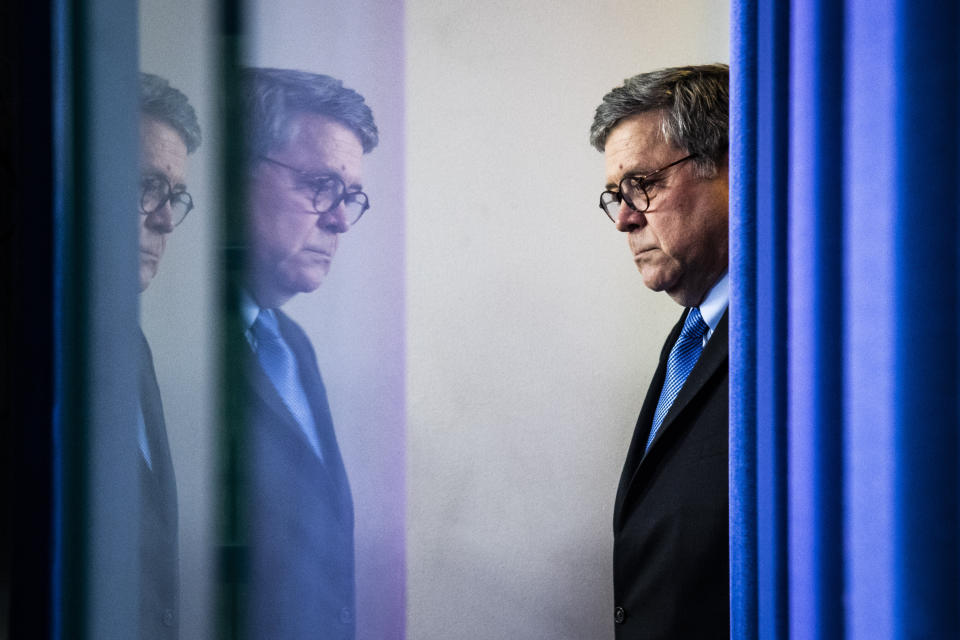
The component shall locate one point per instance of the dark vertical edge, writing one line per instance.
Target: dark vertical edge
(926, 438)
(70, 448)
(829, 318)
(26, 352)
(743, 309)
(232, 461)
(772, 152)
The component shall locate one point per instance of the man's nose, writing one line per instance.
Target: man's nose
(629, 218)
(161, 220)
(335, 220)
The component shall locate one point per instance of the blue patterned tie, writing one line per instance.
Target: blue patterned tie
(279, 364)
(683, 356)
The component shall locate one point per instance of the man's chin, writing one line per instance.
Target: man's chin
(654, 281)
(147, 272)
(303, 283)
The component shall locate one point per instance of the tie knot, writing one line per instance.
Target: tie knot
(265, 327)
(694, 326)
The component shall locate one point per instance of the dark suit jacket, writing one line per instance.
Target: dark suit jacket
(670, 554)
(159, 575)
(301, 571)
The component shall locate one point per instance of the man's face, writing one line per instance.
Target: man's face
(680, 243)
(291, 244)
(163, 154)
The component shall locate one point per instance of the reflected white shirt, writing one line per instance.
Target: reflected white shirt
(249, 312)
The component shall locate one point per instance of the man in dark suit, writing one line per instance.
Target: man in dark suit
(307, 138)
(168, 132)
(664, 137)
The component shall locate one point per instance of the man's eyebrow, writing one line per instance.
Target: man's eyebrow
(156, 173)
(640, 172)
(632, 171)
(616, 185)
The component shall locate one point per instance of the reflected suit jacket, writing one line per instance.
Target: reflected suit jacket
(301, 554)
(670, 556)
(159, 575)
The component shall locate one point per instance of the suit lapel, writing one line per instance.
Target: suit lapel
(333, 462)
(713, 357)
(262, 386)
(313, 385)
(160, 470)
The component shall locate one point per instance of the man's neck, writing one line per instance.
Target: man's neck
(715, 303)
(265, 296)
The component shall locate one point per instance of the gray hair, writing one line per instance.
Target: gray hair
(694, 105)
(275, 97)
(169, 105)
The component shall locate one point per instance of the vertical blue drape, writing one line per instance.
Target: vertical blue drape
(870, 320)
(855, 394)
(743, 237)
(773, 73)
(815, 320)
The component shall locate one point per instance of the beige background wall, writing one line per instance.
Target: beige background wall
(530, 336)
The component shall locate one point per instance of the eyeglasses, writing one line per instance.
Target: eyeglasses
(633, 191)
(155, 191)
(329, 190)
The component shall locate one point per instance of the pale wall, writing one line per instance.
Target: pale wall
(531, 339)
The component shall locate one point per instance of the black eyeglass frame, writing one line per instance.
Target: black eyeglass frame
(307, 176)
(170, 196)
(609, 197)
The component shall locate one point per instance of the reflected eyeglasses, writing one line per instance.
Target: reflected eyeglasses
(329, 191)
(155, 192)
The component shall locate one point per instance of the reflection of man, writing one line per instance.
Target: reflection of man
(168, 132)
(308, 135)
(664, 136)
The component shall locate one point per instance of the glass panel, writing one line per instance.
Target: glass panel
(309, 575)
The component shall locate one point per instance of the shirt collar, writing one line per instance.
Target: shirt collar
(715, 304)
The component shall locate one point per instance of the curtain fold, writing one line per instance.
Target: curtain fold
(844, 378)
(743, 276)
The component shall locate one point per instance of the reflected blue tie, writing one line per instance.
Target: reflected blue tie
(279, 364)
(683, 356)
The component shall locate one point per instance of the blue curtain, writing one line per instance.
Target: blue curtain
(844, 357)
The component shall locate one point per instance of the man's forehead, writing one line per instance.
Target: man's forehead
(321, 143)
(636, 145)
(162, 149)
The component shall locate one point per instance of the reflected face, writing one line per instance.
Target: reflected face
(291, 245)
(680, 243)
(163, 154)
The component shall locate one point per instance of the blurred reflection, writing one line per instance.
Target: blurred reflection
(168, 132)
(307, 138)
